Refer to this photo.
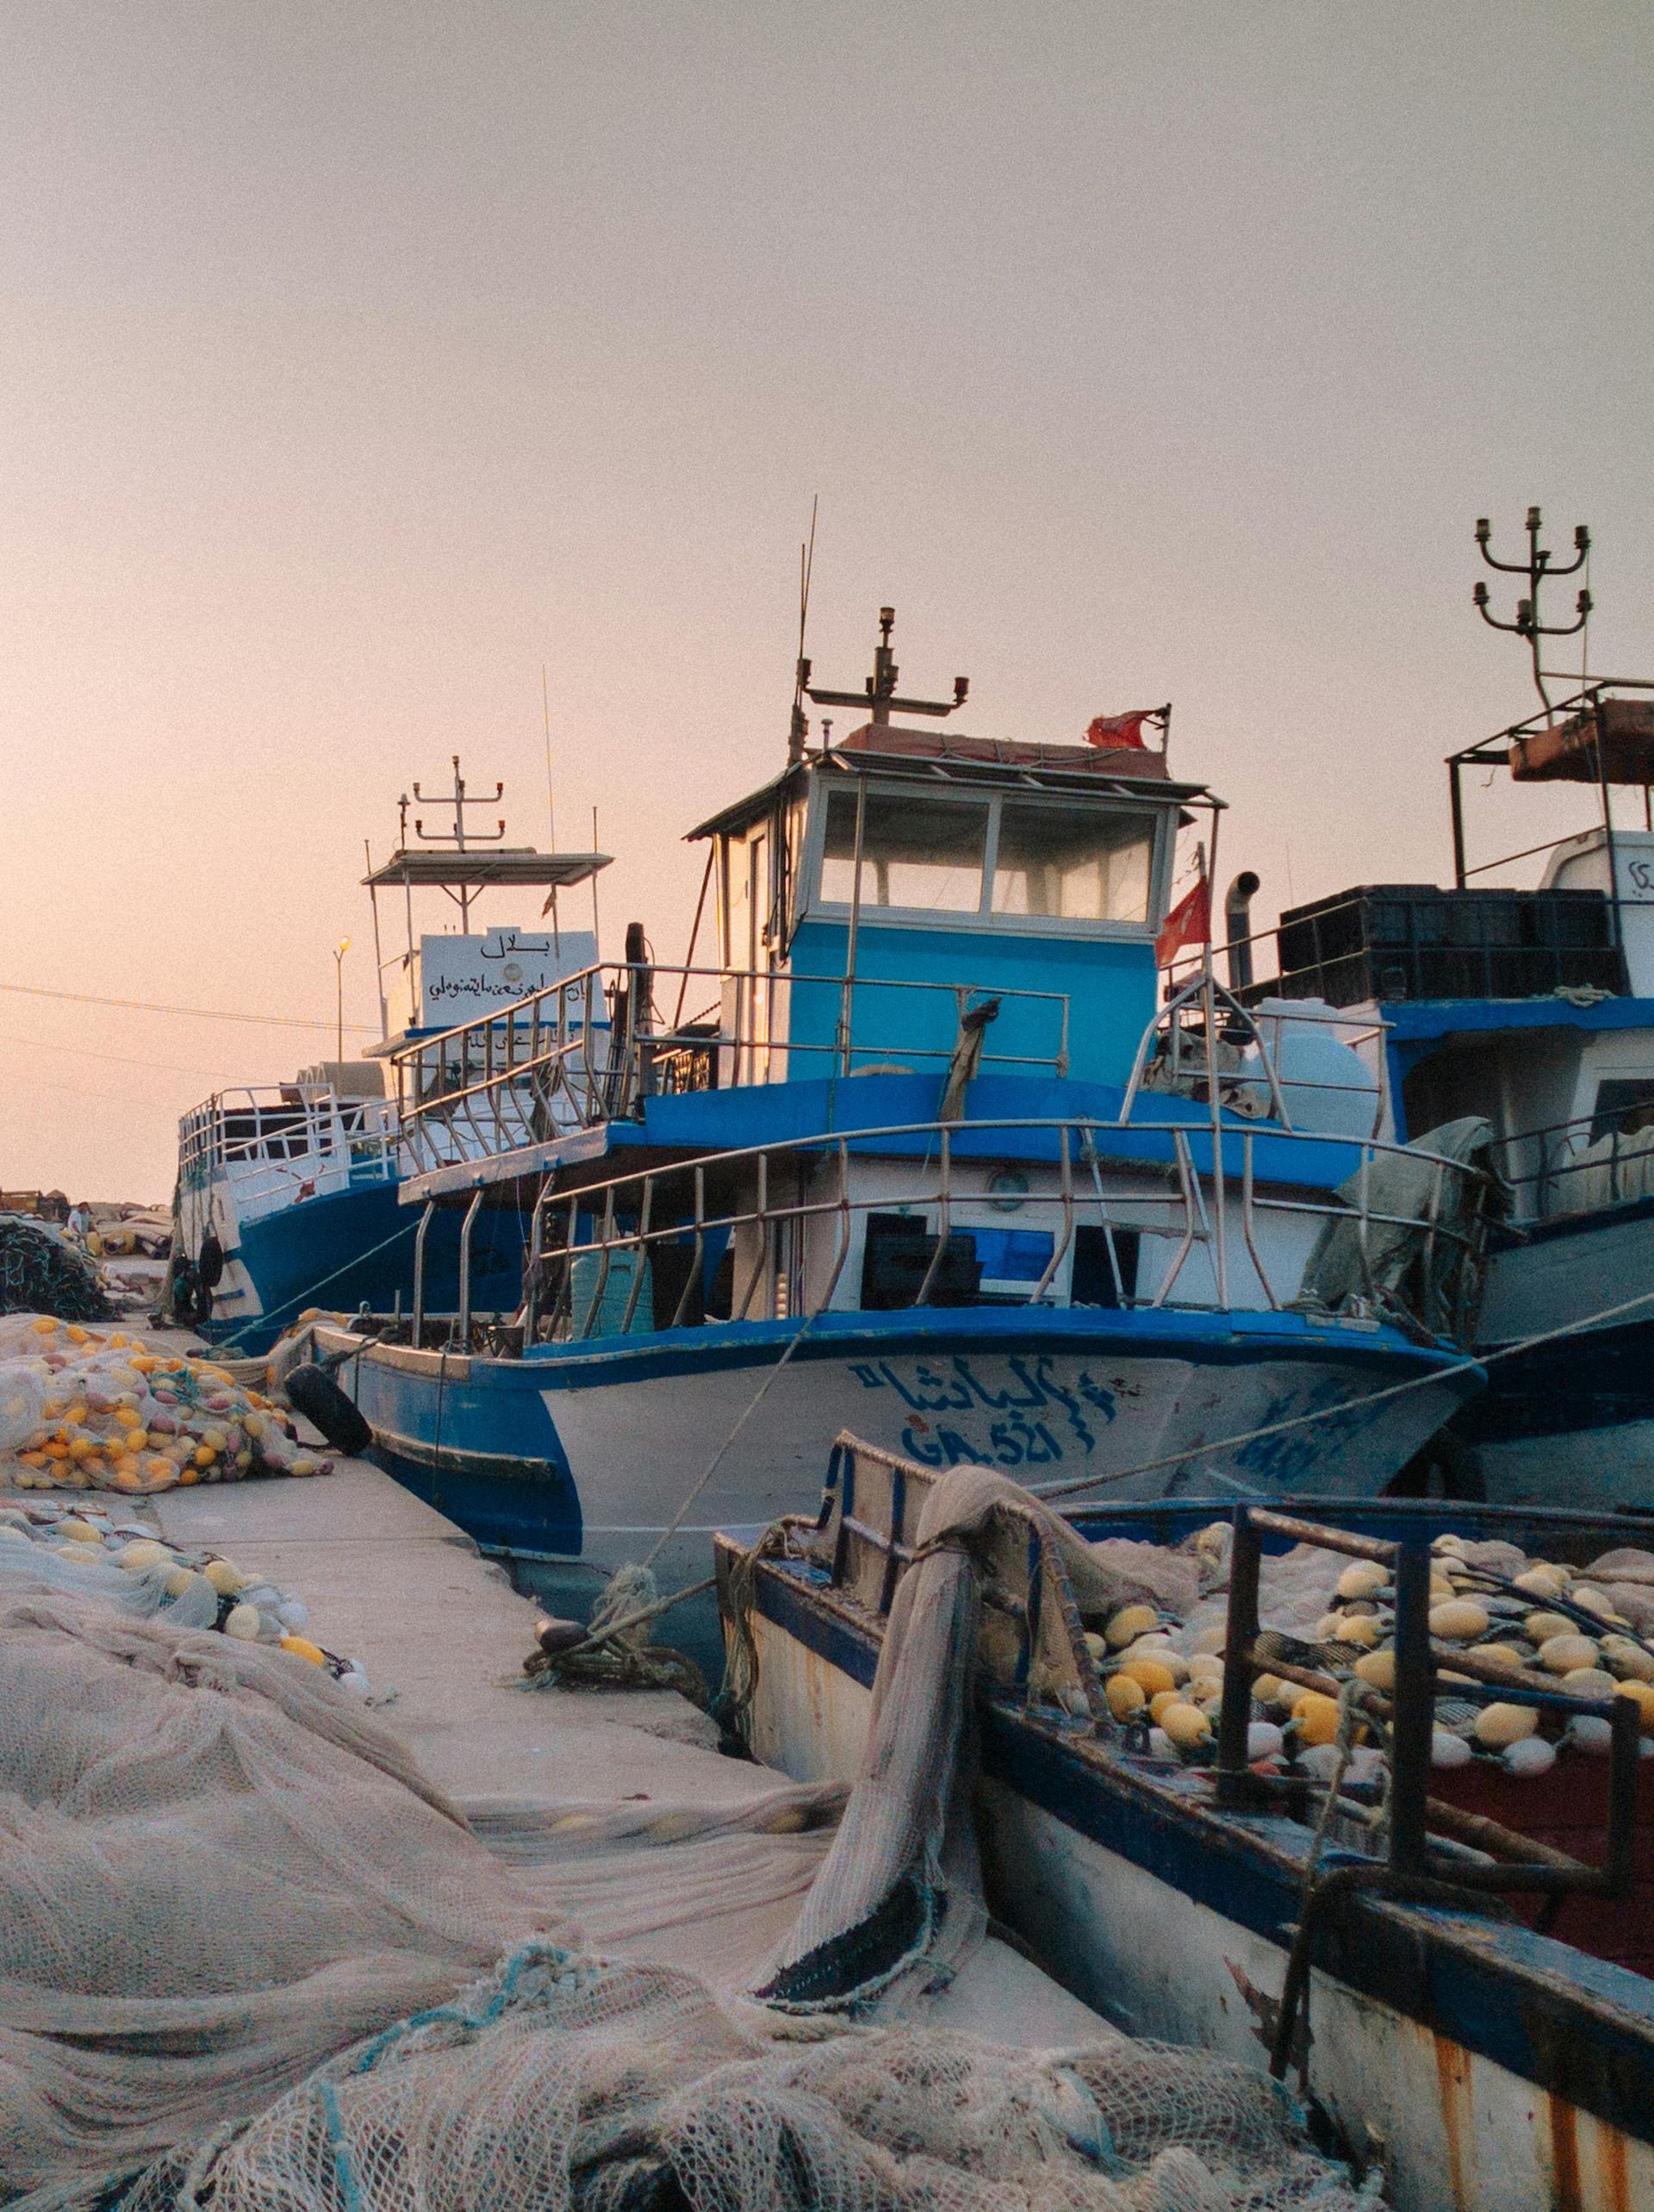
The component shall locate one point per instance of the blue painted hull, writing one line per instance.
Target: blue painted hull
(344, 1248)
(579, 1456)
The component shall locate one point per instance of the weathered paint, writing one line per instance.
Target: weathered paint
(1453, 2090)
(1451, 2125)
(1564, 2155)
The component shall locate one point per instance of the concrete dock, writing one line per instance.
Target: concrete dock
(443, 1636)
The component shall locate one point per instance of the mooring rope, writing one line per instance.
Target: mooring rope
(1076, 1483)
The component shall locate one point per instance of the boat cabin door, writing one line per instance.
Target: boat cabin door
(746, 905)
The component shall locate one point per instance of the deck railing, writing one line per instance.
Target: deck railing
(634, 1251)
(1595, 1160)
(591, 1048)
(275, 1143)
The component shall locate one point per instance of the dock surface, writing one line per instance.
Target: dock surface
(442, 1635)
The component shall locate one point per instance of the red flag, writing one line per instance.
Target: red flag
(1189, 922)
(1106, 731)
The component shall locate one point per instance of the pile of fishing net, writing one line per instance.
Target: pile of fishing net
(251, 1958)
(81, 1409)
(49, 1548)
(44, 1271)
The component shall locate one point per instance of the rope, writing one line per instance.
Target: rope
(1348, 1405)
(604, 1650)
(729, 1708)
(307, 1295)
(717, 1459)
(613, 1655)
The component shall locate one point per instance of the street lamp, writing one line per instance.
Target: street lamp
(344, 946)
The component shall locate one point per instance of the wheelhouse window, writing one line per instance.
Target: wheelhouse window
(926, 855)
(994, 855)
(1072, 867)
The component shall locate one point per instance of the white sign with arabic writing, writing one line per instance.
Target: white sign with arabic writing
(460, 976)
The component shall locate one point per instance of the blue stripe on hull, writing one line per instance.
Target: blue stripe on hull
(325, 1251)
(483, 1449)
(1213, 1339)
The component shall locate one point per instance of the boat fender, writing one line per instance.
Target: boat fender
(1497, 1727)
(1533, 1755)
(315, 1394)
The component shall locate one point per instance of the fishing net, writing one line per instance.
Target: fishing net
(43, 1271)
(251, 1958)
(1413, 1239)
(49, 1547)
(81, 1409)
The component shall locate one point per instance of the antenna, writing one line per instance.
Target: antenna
(799, 728)
(880, 691)
(1538, 569)
(550, 795)
(596, 933)
(550, 806)
(457, 835)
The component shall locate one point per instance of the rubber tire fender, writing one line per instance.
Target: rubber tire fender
(310, 1390)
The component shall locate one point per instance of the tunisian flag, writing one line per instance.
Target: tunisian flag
(1189, 923)
(1107, 731)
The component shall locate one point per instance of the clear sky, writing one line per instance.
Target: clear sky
(357, 360)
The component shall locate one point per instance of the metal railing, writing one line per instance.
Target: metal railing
(1032, 1649)
(1033, 1640)
(768, 1204)
(1409, 1869)
(1196, 1050)
(278, 1144)
(592, 1047)
(864, 1535)
(1564, 1168)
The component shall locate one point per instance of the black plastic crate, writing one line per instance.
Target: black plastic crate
(1394, 941)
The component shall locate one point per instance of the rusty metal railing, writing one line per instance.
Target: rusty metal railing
(1409, 1712)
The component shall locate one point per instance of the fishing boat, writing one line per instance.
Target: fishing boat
(1534, 1010)
(917, 1148)
(288, 1193)
(1461, 1996)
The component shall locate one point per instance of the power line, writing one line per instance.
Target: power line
(200, 1013)
(89, 1052)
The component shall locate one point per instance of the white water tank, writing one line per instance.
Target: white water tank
(1325, 1084)
(1581, 864)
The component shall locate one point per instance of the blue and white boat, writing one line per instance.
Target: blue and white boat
(293, 1188)
(1532, 1009)
(916, 1151)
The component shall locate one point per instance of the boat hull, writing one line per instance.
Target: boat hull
(578, 1458)
(1571, 1422)
(1489, 2069)
(340, 1250)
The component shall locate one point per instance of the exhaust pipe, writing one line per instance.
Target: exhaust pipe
(1237, 925)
